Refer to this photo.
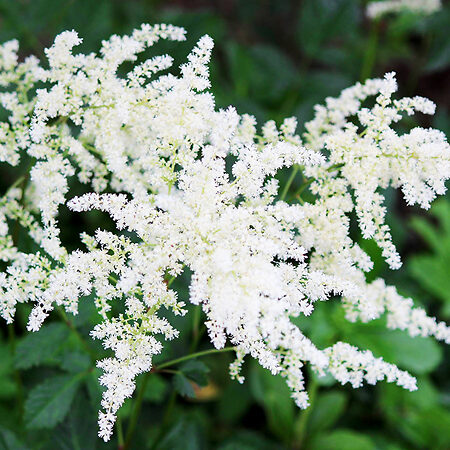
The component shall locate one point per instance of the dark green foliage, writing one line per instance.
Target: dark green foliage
(79, 431)
(49, 402)
(273, 395)
(272, 59)
(432, 269)
(9, 441)
(327, 410)
(185, 434)
(42, 347)
(342, 440)
(196, 371)
(183, 386)
(156, 389)
(193, 371)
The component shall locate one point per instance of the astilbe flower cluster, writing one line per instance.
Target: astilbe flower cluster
(380, 8)
(155, 154)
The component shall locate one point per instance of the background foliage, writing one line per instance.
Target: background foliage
(272, 59)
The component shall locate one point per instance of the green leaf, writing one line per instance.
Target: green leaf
(319, 327)
(247, 440)
(234, 402)
(394, 397)
(427, 232)
(9, 441)
(418, 417)
(439, 52)
(75, 362)
(79, 430)
(274, 395)
(87, 313)
(156, 388)
(49, 402)
(321, 20)
(196, 371)
(8, 387)
(418, 355)
(40, 347)
(94, 388)
(240, 67)
(326, 410)
(255, 72)
(185, 434)
(342, 440)
(431, 270)
(429, 428)
(267, 82)
(183, 386)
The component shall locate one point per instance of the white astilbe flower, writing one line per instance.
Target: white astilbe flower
(374, 156)
(195, 187)
(349, 365)
(379, 8)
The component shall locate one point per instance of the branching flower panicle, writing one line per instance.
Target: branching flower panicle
(154, 153)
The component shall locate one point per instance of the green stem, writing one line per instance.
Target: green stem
(136, 411)
(140, 396)
(171, 280)
(195, 328)
(371, 52)
(310, 180)
(23, 182)
(304, 186)
(120, 432)
(300, 200)
(173, 277)
(171, 371)
(192, 356)
(302, 422)
(15, 184)
(169, 409)
(289, 182)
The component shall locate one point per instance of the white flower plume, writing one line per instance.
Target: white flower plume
(195, 187)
